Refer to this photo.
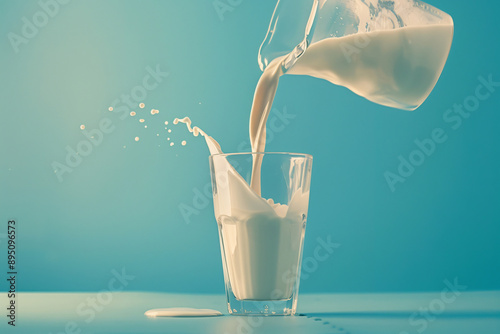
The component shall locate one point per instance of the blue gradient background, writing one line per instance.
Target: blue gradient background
(120, 207)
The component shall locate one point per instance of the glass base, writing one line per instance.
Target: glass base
(261, 307)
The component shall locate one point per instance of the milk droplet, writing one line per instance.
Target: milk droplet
(169, 130)
(157, 134)
(141, 105)
(136, 138)
(183, 143)
(195, 130)
(172, 144)
(110, 108)
(168, 138)
(145, 126)
(166, 122)
(132, 113)
(82, 127)
(141, 120)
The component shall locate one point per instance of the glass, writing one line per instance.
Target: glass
(363, 29)
(261, 238)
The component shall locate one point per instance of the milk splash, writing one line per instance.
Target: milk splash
(261, 239)
(213, 145)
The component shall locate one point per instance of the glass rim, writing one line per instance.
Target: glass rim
(303, 155)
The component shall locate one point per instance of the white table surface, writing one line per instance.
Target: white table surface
(123, 312)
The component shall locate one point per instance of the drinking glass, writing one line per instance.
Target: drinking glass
(261, 237)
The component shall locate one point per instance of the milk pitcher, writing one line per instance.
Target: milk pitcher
(390, 52)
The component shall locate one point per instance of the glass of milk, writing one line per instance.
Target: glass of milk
(261, 237)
